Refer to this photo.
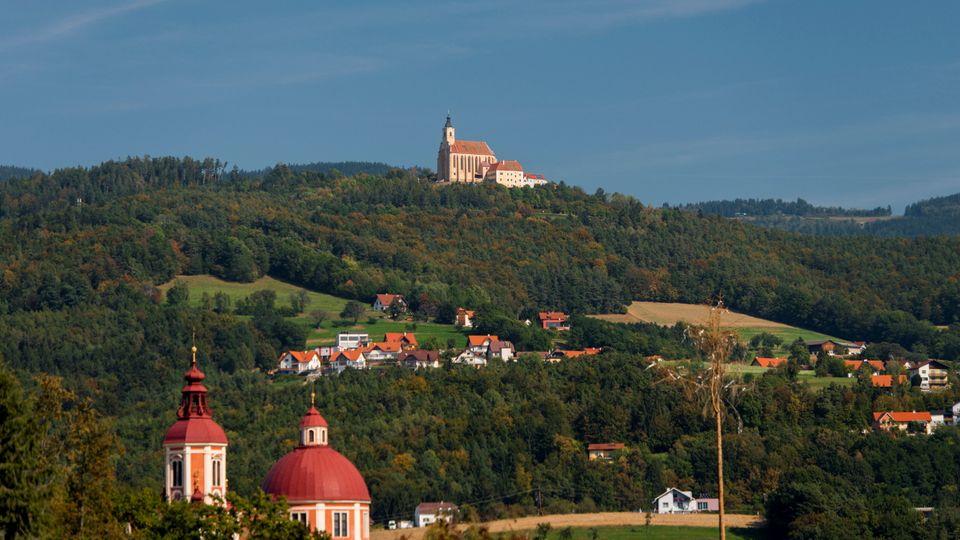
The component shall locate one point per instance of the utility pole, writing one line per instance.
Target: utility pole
(539, 501)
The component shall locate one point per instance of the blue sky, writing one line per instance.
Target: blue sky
(850, 103)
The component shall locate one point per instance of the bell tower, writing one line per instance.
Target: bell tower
(449, 134)
(313, 427)
(195, 446)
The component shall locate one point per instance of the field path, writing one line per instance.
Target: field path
(669, 313)
(601, 519)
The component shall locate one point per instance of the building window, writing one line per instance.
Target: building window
(340, 524)
(312, 435)
(300, 516)
(666, 505)
(216, 472)
(176, 471)
(701, 506)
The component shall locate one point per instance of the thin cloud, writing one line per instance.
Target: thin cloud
(73, 24)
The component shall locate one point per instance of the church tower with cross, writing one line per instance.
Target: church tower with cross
(195, 447)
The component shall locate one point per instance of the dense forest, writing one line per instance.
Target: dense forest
(332, 168)
(932, 217)
(777, 207)
(79, 301)
(7, 172)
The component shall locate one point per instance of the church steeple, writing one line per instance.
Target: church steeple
(449, 134)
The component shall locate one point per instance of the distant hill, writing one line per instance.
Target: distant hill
(9, 171)
(931, 217)
(777, 207)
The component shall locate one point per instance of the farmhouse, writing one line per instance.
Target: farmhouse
(674, 501)
(299, 361)
(875, 366)
(769, 362)
(902, 421)
(342, 360)
(405, 339)
(428, 513)
(556, 320)
(384, 301)
(603, 451)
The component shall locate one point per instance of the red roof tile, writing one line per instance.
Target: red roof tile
(605, 446)
(904, 416)
(471, 147)
(769, 362)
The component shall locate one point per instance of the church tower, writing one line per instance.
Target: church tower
(462, 161)
(195, 447)
(449, 134)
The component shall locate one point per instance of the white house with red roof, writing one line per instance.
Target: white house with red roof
(931, 375)
(428, 513)
(195, 447)
(506, 173)
(554, 320)
(901, 421)
(384, 301)
(300, 361)
(381, 352)
(407, 340)
(324, 490)
(353, 359)
(465, 318)
(603, 451)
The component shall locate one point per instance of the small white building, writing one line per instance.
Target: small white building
(502, 350)
(348, 359)
(431, 512)
(347, 341)
(299, 361)
(674, 501)
(384, 301)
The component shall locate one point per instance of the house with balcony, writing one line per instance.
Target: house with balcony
(930, 376)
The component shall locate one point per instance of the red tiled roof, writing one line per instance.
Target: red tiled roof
(387, 299)
(904, 416)
(303, 357)
(312, 419)
(400, 337)
(507, 165)
(471, 147)
(769, 362)
(886, 381)
(466, 311)
(195, 430)
(352, 355)
(435, 507)
(605, 446)
(553, 316)
(476, 341)
(385, 346)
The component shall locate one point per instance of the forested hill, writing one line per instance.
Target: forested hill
(933, 217)
(777, 207)
(554, 247)
(345, 168)
(7, 172)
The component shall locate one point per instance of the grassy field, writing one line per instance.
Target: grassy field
(212, 285)
(806, 376)
(654, 532)
(745, 326)
(333, 305)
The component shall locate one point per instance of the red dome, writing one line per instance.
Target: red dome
(312, 419)
(316, 473)
(195, 430)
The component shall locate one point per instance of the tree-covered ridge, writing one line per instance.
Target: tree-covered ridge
(9, 171)
(335, 168)
(777, 207)
(553, 247)
(937, 206)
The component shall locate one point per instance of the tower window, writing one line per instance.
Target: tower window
(176, 471)
(216, 472)
(312, 436)
(300, 516)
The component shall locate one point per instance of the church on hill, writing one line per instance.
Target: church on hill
(474, 161)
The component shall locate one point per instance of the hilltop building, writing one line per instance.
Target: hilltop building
(195, 447)
(324, 489)
(474, 161)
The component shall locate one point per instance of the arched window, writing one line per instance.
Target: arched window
(216, 472)
(312, 436)
(176, 473)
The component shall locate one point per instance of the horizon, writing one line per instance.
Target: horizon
(669, 102)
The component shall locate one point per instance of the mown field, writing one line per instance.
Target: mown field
(372, 322)
(745, 326)
(806, 376)
(658, 532)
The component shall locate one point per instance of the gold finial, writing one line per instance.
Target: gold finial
(313, 396)
(194, 349)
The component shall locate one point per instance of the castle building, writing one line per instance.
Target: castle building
(195, 447)
(324, 490)
(462, 161)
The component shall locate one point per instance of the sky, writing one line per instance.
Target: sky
(853, 103)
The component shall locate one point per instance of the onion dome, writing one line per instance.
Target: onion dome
(314, 471)
(195, 422)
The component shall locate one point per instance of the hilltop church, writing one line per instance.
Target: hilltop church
(474, 161)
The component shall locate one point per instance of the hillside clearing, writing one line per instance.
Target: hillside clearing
(670, 313)
(211, 285)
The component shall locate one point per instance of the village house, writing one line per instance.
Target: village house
(501, 350)
(561, 354)
(875, 366)
(465, 318)
(381, 352)
(347, 341)
(768, 362)
(419, 359)
(342, 360)
(384, 301)
(407, 340)
(856, 348)
(476, 352)
(299, 361)
(554, 320)
(832, 347)
(603, 451)
(428, 513)
(930, 375)
(901, 421)
(674, 501)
